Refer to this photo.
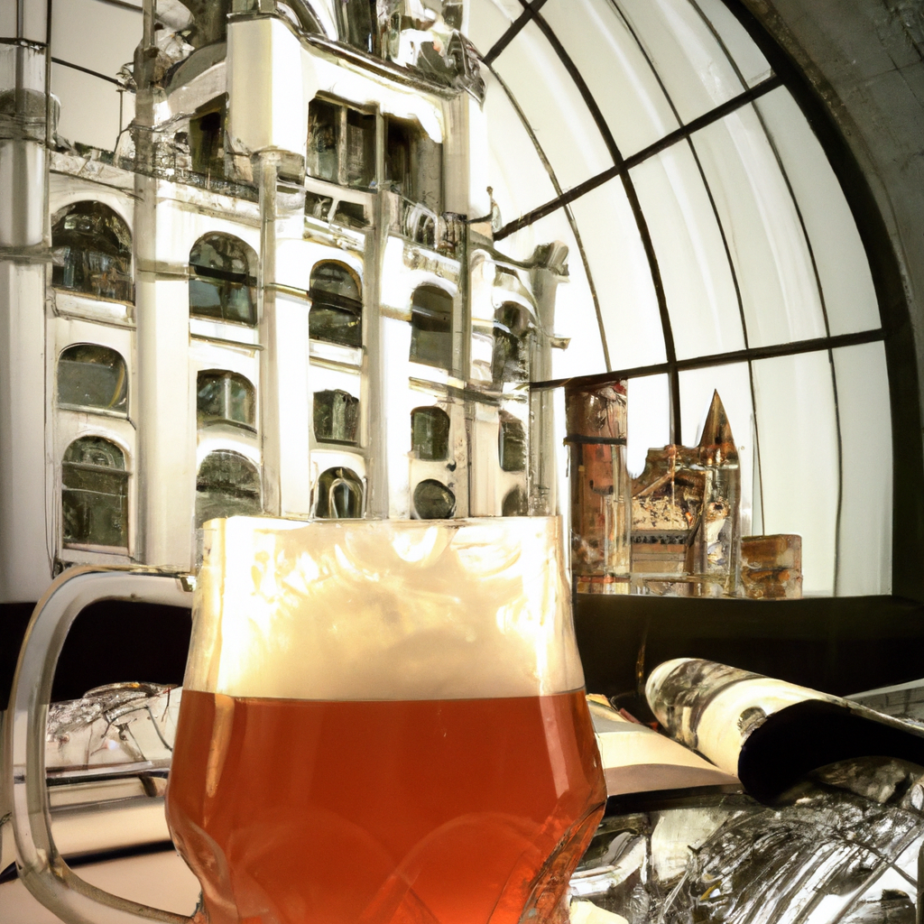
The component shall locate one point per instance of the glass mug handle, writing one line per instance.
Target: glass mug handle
(41, 868)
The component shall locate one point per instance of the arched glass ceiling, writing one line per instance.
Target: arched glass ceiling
(712, 247)
(711, 243)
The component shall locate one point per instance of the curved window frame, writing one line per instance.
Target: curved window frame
(112, 253)
(118, 405)
(346, 309)
(341, 410)
(432, 328)
(227, 380)
(431, 429)
(250, 496)
(355, 493)
(81, 481)
(227, 282)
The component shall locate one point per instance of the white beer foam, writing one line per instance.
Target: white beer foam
(383, 610)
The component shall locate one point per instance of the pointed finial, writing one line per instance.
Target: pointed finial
(717, 429)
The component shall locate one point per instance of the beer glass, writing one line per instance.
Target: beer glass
(383, 722)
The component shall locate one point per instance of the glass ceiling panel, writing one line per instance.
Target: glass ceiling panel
(614, 68)
(694, 265)
(748, 58)
(622, 276)
(96, 35)
(797, 433)
(519, 178)
(772, 261)
(487, 23)
(733, 384)
(686, 55)
(865, 549)
(648, 419)
(553, 107)
(850, 299)
(575, 312)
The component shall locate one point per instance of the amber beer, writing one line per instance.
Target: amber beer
(443, 780)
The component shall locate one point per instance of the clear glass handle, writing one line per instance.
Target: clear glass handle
(41, 867)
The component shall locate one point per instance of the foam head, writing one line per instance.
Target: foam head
(383, 610)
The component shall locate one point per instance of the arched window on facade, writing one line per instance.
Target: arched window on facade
(339, 495)
(510, 359)
(336, 314)
(433, 500)
(430, 434)
(92, 252)
(336, 416)
(431, 327)
(94, 494)
(511, 444)
(92, 376)
(222, 279)
(228, 484)
(225, 398)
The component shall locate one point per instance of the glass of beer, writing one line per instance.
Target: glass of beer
(383, 722)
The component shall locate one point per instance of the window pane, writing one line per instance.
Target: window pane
(205, 297)
(210, 398)
(695, 271)
(323, 140)
(335, 325)
(227, 485)
(92, 376)
(434, 501)
(850, 299)
(241, 397)
(431, 327)
(747, 56)
(430, 434)
(622, 277)
(92, 251)
(488, 21)
(772, 260)
(649, 419)
(686, 55)
(515, 171)
(797, 431)
(336, 416)
(575, 313)
(510, 359)
(334, 279)
(339, 495)
(512, 444)
(553, 107)
(359, 153)
(615, 70)
(864, 559)
(94, 496)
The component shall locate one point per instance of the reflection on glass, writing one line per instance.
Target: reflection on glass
(92, 376)
(225, 397)
(433, 500)
(222, 281)
(92, 252)
(431, 327)
(94, 495)
(336, 416)
(430, 433)
(228, 484)
(339, 495)
(336, 305)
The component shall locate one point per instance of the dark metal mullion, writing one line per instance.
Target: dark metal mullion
(669, 140)
(573, 224)
(86, 70)
(752, 354)
(640, 220)
(718, 221)
(529, 10)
